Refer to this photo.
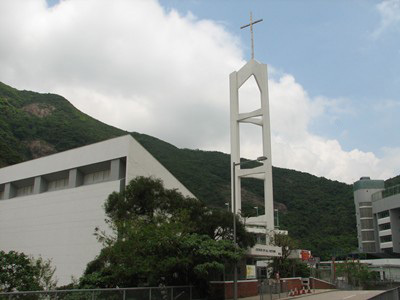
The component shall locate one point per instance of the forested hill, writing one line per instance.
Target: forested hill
(318, 212)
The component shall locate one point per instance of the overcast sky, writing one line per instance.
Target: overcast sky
(162, 68)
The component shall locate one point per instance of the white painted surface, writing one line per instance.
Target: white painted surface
(58, 225)
(258, 117)
(142, 163)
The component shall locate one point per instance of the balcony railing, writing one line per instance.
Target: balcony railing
(390, 191)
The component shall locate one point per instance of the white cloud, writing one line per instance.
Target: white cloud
(389, 11)
(136, 66)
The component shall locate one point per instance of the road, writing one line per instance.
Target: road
(343, 295)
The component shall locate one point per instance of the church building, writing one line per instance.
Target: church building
(50, 206)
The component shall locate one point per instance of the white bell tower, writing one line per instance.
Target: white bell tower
(258, 117)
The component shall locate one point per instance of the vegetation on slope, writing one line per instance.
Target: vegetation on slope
(318, 212)
(33, 124)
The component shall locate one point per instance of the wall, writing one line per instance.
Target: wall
(224, 289)
(293, 283)
(142, 163)
(60, 224)
(316, 283)
(57, 225)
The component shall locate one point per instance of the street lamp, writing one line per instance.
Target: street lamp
(277, 218)
(256, 208)
(234, 165)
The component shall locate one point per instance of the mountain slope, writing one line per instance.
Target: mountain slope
(33, 125)
(318, 212)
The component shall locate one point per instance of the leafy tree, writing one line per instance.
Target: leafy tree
(162, 237)
(356, 274)
(287, 267)
(19, 272)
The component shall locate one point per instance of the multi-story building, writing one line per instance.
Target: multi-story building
(50, 206)
(378, 216)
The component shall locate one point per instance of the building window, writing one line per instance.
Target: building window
(366, 212)
(386, 238)
(25, 190)
(367, 224)
(367, 236)
(385, 226)
(383, 214)
(97, 177)
(59, 184)
(1, 194)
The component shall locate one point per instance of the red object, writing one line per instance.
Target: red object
(305, 255)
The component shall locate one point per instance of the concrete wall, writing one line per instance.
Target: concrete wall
(58, 225)
(142, 163)
(224, 289)
(391, 204)
(363, 190)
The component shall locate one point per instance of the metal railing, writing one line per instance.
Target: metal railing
(271, 291)
(141, 293)
(390, 191)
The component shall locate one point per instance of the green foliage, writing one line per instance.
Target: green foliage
(64, 128)
(283, 265)
(318, 212)
(162, 237)
(19, 272)
(357, 274)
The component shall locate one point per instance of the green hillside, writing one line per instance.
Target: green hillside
(33, 125)
(318, 212)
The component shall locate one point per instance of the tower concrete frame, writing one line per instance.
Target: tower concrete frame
(258, 117)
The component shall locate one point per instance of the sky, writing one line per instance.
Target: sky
(162, 68)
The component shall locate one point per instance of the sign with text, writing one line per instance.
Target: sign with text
(265, 251)
(250, 272)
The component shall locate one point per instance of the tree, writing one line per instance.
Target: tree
(357, 274)
(161, 236)
(18, 272)
(283, 265)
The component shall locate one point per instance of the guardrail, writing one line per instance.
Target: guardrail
(141, 293)
(393, 294)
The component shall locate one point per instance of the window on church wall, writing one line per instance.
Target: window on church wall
(25, 190)
(96, 177)
(366, 212)
(58, 184)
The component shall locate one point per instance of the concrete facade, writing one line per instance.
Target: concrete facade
(258, 117)
(378, 216)
(51, 206)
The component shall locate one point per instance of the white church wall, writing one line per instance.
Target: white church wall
(58, 225)
(56, 219)
(101, 151)
(142, 163)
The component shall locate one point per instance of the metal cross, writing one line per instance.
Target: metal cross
(251, 32)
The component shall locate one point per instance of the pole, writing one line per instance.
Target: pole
(235, 275)
(277, 218)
